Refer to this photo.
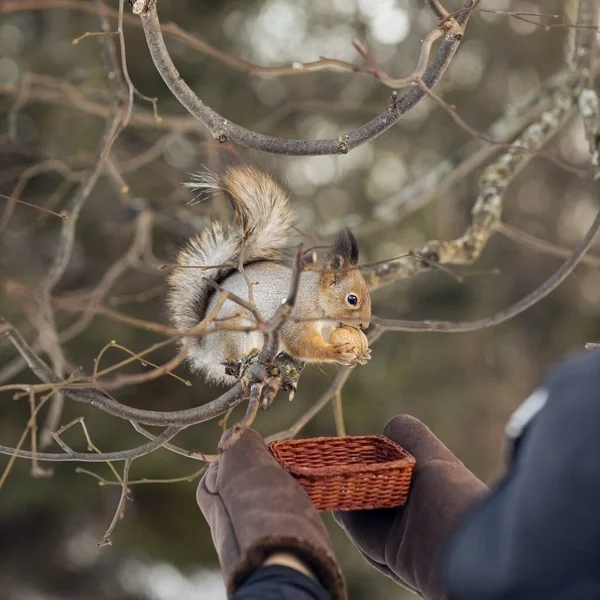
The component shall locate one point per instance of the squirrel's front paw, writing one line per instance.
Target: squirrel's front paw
(346, 353)
(350, 346)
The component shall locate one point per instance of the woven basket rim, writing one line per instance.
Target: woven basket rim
(339, 438)
(405, 461)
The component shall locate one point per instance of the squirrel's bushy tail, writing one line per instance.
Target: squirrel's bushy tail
(263, 230)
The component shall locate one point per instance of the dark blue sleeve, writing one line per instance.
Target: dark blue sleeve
(537, 535)
(276, 582)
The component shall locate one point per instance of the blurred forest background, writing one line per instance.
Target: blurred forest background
(54, 100)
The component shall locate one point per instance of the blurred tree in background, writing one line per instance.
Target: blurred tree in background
(407, 186)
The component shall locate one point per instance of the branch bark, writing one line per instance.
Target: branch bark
(487, 210)
(225, 131)
(143, 450)
(504, 315)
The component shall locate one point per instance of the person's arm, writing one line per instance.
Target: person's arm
(276, 581)
(538, 534)
(285, 559)
(263, 522)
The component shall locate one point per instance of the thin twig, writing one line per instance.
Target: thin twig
(535, 243)
(232, 435)
(194, 454)
(106, 541)
(338, 414)
(337, 384)
(15, 452)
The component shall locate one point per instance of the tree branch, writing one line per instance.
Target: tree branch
(143, 450)
(584, 59)
(225, 131)
(487, 210)
(508, 313)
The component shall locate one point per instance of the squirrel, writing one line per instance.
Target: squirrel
(334, 296)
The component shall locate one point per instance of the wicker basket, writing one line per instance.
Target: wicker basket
(350, 472)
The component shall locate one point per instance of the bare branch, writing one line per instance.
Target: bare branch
(542, 246)
(234, 434)
(225, 131)
(419, 71)
(106, 541)
(176, 32)
(584, 59)
(175, 449)
(487, 210)
(508, 313)
(49, 90)
(100, 399)
(44, 319)
(432, 186)
(438, 10)
(169, 433)
(338, 414)
(133, 257)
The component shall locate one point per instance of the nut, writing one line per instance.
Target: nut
(357, 342)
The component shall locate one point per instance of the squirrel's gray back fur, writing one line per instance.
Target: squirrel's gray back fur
(262, 231)
(272, 282)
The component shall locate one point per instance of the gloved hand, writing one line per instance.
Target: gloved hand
(255, 509)
(406, 543)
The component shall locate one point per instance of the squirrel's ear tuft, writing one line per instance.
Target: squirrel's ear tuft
(343, 254)
(344, 250)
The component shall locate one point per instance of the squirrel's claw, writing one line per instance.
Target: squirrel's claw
(350, 355)
(346, 353)
(291, 389)
(347, 359)
(271, 390)
(233, 368)
(282, 374)
(364, 358)
(237, 368)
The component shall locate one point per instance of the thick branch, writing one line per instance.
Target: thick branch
(169, 433)
(225, 131)
(100, 399)
(584, 55)
(487, 210)
(512, 311)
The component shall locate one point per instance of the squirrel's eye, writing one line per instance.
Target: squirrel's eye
(352, 300)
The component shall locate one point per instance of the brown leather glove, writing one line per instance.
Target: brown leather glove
(406, 543)
(255, 509)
